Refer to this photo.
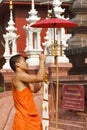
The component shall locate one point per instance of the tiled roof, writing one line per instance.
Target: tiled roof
(29, 0)
(35, 1)
(40, 1)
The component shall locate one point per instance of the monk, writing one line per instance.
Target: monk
(26, 116)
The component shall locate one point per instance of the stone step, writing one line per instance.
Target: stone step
(67, 125)
(69, 120)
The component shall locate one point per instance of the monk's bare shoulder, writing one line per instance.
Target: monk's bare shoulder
(18, 84)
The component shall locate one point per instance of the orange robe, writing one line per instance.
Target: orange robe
(26, 117)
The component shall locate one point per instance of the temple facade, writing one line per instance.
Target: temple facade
(71, 76)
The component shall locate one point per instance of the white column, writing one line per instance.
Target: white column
(14, 47)
(32, 4)
(30, 40)
(6, 48)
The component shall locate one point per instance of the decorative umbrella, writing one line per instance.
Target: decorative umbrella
(55, 23)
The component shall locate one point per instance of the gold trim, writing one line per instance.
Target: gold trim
(46, 100)
(45, 118)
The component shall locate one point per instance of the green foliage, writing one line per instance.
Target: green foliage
(1, 88)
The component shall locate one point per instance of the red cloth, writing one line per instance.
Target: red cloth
(26, 117)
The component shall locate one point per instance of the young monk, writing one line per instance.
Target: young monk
(26, 117)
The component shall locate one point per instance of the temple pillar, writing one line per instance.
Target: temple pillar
(77, 45)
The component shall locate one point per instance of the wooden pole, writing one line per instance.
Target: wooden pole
(57, 91)
(57, 76)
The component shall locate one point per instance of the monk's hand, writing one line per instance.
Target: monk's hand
(42, 57)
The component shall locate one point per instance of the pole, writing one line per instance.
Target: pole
(57, 77)
(57, 90)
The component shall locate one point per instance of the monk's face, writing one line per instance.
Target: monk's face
(23, 65)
